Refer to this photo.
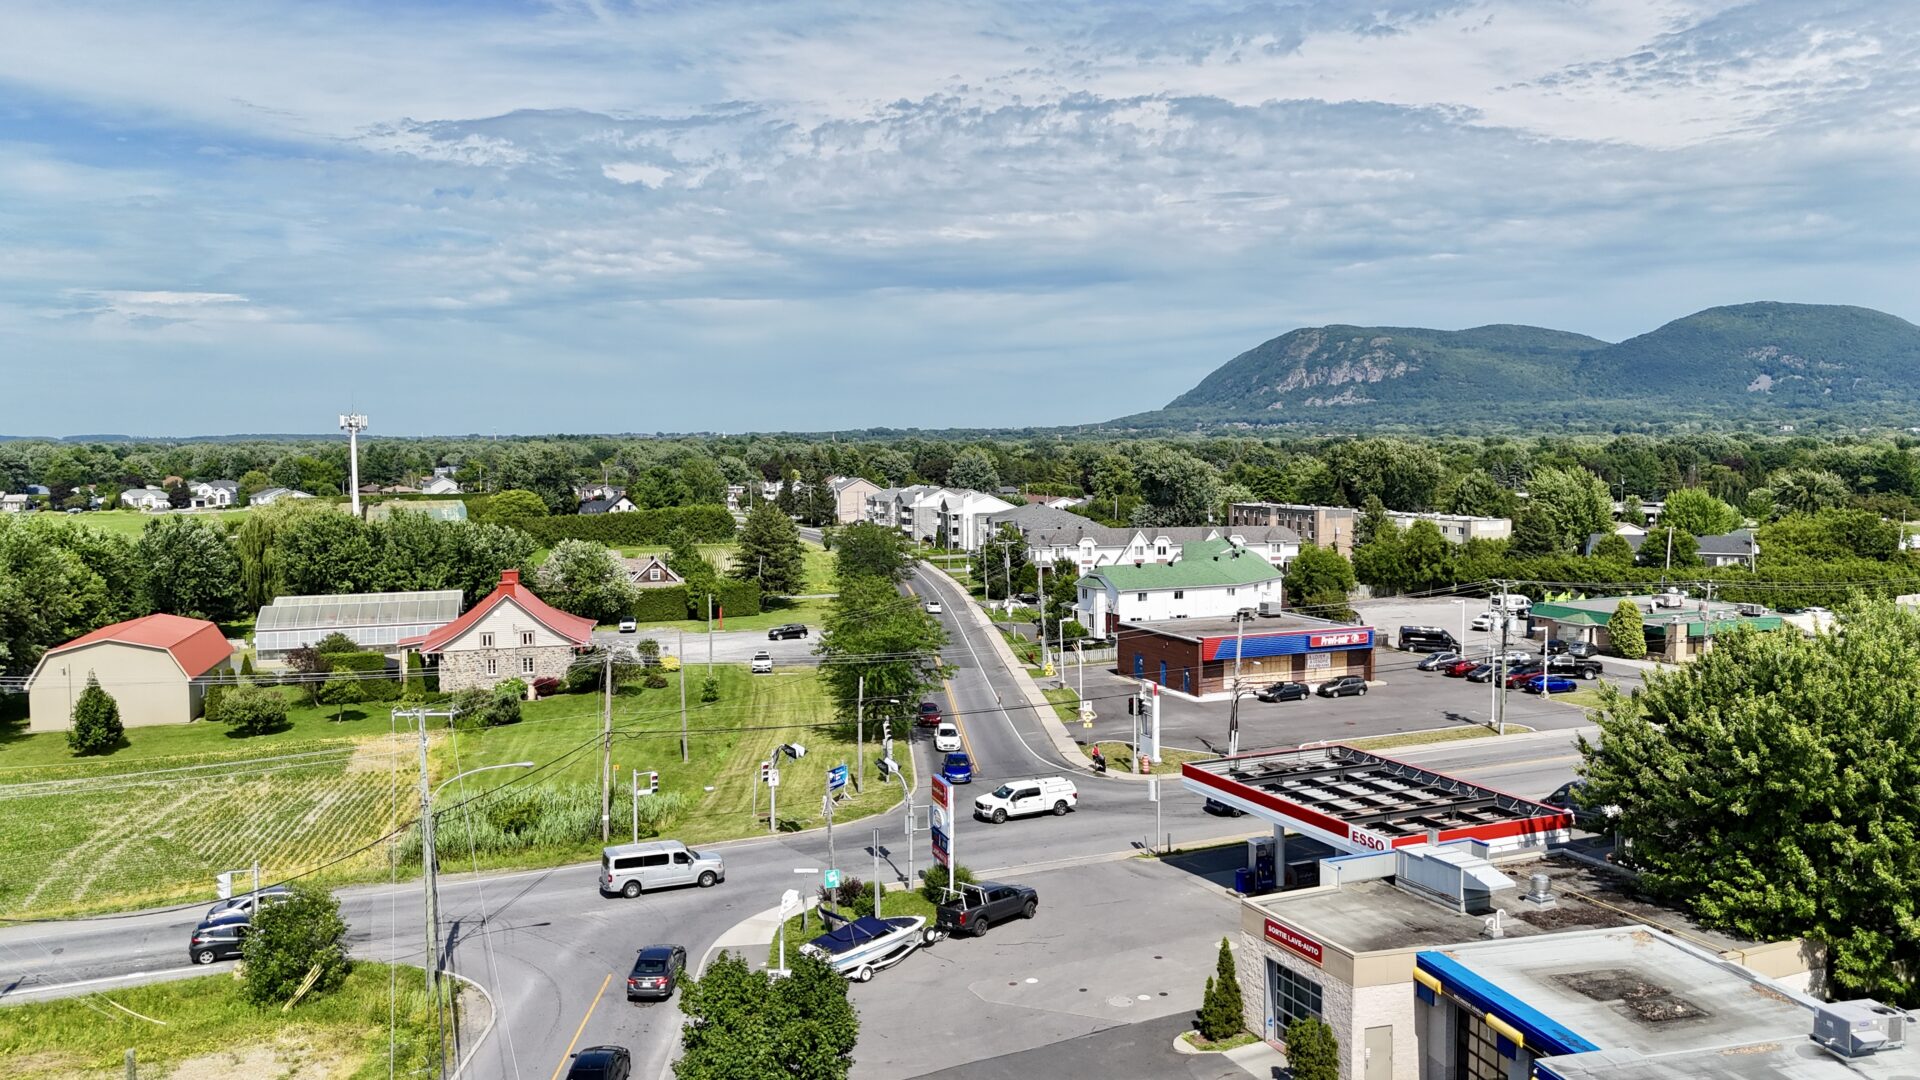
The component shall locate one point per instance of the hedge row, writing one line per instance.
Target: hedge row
(674, 603)
(365, 663)
(708, 524)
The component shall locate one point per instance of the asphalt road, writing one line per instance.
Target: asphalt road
(552, 951)
(728, 646)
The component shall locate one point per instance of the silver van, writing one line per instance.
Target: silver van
(628, 869)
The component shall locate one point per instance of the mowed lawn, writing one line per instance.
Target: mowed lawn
(155, 821)
(133, 522)
(817, 584)
(206, 1029)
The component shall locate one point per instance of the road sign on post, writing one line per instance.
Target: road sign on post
(773, 777)
(831, 879)
(836, 778)
(941, 822)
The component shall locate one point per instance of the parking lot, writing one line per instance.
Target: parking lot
(1400, 699)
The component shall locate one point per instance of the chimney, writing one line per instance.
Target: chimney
(509, 577)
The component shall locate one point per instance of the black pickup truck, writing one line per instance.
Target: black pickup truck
(984, 903)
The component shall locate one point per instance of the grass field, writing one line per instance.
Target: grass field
(133, 522)
(817, 584)
(154, 822)
(1119, 757)
(1437, 735)
(203, 1028)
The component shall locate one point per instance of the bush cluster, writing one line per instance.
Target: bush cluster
(706, 524)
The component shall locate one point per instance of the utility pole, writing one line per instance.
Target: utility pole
(860, 733)
(606, 747)
(709, 633)
(683, 697)
(429, 883)
(1040, 569)
(1500, 667)
(875, 841)
(1233, 712)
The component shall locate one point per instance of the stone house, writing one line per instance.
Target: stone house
(511, 634)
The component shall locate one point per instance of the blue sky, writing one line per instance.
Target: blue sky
(608, 216)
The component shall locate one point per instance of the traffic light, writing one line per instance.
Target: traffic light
(886, 732)
(1133, 705)
(653, 784)
(886, 768)
(766, 770)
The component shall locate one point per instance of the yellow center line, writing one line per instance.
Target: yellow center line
(567, 1055)
(953, 711)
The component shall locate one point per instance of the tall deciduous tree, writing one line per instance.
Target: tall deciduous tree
(864, 549)
(193, 570)
(1318, 581)
(770, 552)
(1001, 560)
(1573, 504)
(583, 577)
(325, 552)
(875, 632)
(1179, 488)
(974, 469)
(96, 721)
(1770, 786)
(513, 504)
(1698, 512)
(745, 1024)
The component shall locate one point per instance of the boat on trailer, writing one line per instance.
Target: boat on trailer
(859, 947)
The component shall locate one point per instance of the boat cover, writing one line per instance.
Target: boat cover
(860, 932)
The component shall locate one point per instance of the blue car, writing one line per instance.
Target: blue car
(1551, 684)
(958, 768)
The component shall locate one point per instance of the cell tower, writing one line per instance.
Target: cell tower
(353, 424)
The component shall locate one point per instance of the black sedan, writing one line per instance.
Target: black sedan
(1284, 691)
(1344, 686)
(601, 1063)
(217, 941)
(1482, 673)
(1438, 661)
(1220, 809)
(656, 971)
(783, 633)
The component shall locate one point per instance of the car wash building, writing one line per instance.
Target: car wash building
(1196, 656)
(1420, 862)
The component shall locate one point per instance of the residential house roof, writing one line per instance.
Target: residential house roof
(840, 484)
(267, 495)
(599, 506)
(1037, 518)
(637, 569)
(1101, 535)
(574, 628)
(1201, 563)
(1693, 612)
(974, 502)
(217, 485)
(1739, 542)
(195, 644)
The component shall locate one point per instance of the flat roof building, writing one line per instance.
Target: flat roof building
(1677, 626)
(1195, 656)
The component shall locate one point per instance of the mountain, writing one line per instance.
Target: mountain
(1762, 362)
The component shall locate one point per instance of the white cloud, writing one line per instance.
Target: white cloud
(634, 172)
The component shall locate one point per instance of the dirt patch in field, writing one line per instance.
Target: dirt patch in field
(380, 753)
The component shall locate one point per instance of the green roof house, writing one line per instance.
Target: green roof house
(1210, 578)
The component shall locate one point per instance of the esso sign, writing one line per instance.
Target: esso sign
(1335, 641)
(1364, 839)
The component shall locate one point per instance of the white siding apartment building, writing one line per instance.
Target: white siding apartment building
(1212, 578)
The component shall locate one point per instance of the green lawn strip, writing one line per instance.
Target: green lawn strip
(774, 613)
(1119, 757)
(133, 522)
(1584, 698)
(1438, 735)
(894, 904)
(343, 1032)
(1066, 704)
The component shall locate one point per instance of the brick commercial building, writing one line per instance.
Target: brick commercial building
(512, 634)
(1195, 656)
(1323, 526)
(157, 668)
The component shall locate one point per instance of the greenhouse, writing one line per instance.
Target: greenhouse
(375, 621)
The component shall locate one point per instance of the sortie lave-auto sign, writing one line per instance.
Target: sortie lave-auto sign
(1293, 940)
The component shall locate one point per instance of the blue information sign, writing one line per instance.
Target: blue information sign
(836, 778)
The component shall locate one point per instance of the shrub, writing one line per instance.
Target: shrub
(96, 721)
(1628, 631)
(546, 686)
(660, 605)
(1312, 1051)
(933, 882)
(477, 707)
(254, 710)
(368, 666)
(655, 681)
(290, 939)
(336, 642)
(210, 705)
(710, 689)
(341, 691)
(706, 524)
(246, 666)
(1220, 1006)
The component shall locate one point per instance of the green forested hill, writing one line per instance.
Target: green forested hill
(1748, 362)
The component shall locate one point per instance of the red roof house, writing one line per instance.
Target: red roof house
(153, 666)
(510, 634)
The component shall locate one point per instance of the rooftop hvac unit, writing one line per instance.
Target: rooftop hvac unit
(1449, 876)
(1851, 1029)
(1669, 599)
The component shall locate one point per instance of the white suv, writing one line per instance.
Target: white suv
(762, 664)
(946, 737)
(1019, 798)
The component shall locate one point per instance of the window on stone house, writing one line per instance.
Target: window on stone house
(526, 637)
(486, 642)
(493, 666)
(526, 665)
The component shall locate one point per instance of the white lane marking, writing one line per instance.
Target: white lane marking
(52, 988)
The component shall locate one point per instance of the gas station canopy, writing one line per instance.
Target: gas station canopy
(1361, 802)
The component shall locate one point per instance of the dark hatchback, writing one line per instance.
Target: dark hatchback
(601, 1063)
(1344, 686)
(218, 940)
(782, 633)
(928, 716)
(656, 971)
(1284, 691)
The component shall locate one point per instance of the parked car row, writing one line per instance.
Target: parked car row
(1518, 670)
(1342, 686)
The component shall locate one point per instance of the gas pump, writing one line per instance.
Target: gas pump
(1261, 863)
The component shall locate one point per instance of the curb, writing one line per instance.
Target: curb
(1064, 744)
(493, 1019)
